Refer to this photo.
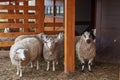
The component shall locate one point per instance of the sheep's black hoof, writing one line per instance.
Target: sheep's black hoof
(82, 70)
(90, 70)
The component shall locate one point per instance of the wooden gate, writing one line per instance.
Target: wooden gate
(28, 16)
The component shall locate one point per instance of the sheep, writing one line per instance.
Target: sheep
(53, 49)
(24, 52)
(19, 38)
(86, 50)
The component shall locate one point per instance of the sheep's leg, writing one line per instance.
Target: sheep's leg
(18, 69)
(37, 68)
(57, 63)
(82, 64)
(53, 65)
(48, 65)
(20, 72)
(90, 64)
(31, 64)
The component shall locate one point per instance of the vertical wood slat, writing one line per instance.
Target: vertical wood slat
(40, 15)
(11, 12)
(54, 13)
(17, 12)
(69, 36)
(25, 12)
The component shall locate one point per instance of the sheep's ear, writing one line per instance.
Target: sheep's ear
(41, 35)
(60, 35)
(21, 51)
(25, 50)
(44, 37)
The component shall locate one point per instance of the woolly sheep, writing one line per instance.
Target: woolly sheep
(53, 49)
(24, 52)
(19, 38)
(86, 50)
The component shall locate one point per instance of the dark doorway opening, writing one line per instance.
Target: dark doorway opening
(85, 16)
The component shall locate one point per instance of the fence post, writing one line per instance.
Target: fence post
(40, 16)
(69, 35)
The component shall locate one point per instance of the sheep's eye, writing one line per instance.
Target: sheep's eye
(85, 36)
(89, 36)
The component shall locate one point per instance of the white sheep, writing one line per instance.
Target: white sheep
(53, 49)
(86, 50)
(24, 52)
(38, 36)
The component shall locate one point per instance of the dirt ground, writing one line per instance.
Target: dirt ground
(100, 72)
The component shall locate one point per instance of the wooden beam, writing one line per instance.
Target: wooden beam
(40, 15)
(69, 36)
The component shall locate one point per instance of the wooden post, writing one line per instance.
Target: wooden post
(69, 61)
(25, 12)
(40, 15)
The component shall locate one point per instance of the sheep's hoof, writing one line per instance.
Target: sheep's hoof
(37, 68)
(47, 69)
(17, 73)
(82, 70)
(56, 63)
(90, 70)
(20, 76)
(53, 69)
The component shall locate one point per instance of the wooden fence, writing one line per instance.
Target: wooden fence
(30, 18)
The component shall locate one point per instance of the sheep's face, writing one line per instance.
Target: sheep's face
(87, 37)
(21, 54)
(50, 44)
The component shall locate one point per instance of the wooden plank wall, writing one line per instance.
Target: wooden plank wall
(18, 17)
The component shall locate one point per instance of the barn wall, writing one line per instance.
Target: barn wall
(108, 30)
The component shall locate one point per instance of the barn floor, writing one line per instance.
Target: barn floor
(100, 72)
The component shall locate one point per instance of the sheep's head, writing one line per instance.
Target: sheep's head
(20, 54)
(87, 37)
(50, 43)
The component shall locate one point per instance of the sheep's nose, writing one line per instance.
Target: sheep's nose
(50, 53)
(23, 59)
(88, 41)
